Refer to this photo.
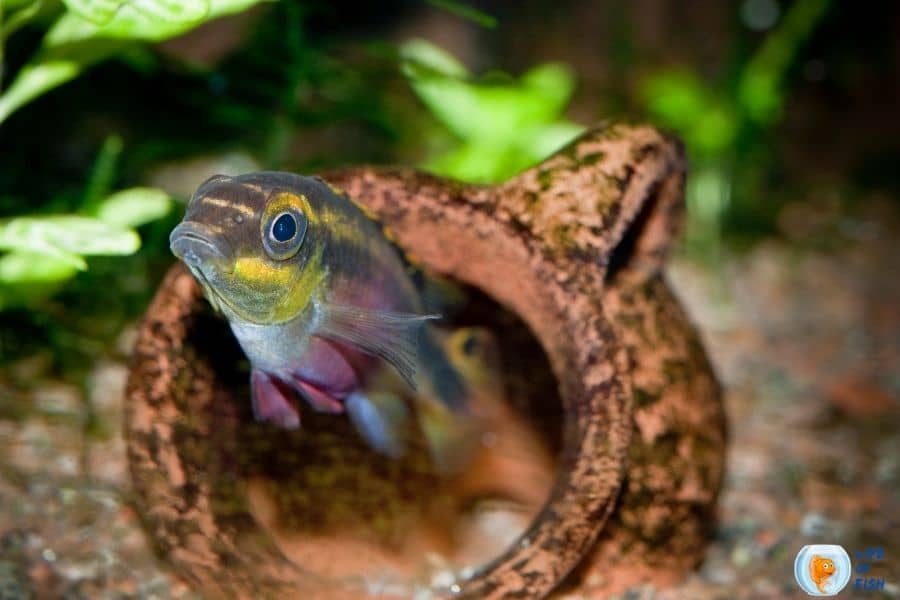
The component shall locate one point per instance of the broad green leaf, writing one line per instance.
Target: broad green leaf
(679, 98)
(11, 5)
(469, 162)
(15, 14)
(504, 124)
(29, 277)
(486, 163)
(74, 42)
(145, 20)
(682, 101)
(487, 109)
(134, 207)
(464, 110)
(172, 10)
(35, 79)
(544, 141)
(23, 267)
(553, 83)
(66, 237)
(52, 252)
(95, 11)
(714, 133)
(423, 59)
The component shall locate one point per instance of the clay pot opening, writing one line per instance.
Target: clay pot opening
(339, 511)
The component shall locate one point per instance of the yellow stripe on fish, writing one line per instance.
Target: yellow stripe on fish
(299, 287)
(285, 200)
(225, 203)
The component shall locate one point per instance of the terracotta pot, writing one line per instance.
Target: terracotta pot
(612, 435)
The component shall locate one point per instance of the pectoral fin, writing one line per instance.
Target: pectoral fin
(382, 419)
(270, 403)
(393, 337)
(318, 398)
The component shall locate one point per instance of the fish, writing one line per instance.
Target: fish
(514, 466)
(820, 569)
(475, 354)
(322, 303)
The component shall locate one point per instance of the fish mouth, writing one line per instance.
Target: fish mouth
(199, 247)
(214, 298)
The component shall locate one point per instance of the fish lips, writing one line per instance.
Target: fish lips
(199, 247)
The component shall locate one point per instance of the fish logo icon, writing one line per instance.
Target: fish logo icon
(822, 569)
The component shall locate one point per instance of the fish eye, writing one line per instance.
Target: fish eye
(283, 233)
(470, 346)
(284, 228)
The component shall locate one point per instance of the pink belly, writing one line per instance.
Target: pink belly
(328, 372)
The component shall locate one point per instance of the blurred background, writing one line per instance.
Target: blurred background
(113, 111)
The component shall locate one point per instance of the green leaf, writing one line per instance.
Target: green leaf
(492, 109)
(16, 14)
(760, 87)
(467, 12)
(35, 79)
(682, 101)
(678, 98)
(134, 207)
(483, 162)
(173, 10)
(553, 83)
(102, 12)
(544, 141)
(761, 95)
(28, 268)
(714, 133)
(29, 277)
(422, 59)
(95, 11)
(75, 42)
(503, 124)
(11, 5)
(103, 173)
(67, 237)
(146, 20)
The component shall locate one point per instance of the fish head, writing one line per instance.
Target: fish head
(251, 241)
(475, 354)
(823, 566)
